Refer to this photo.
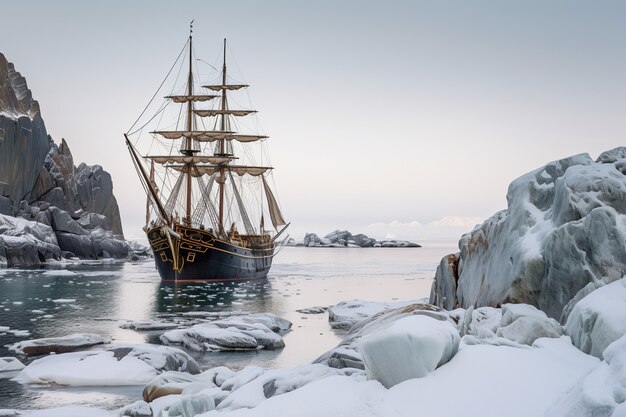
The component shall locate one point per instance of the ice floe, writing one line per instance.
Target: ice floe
(116, 365)
(63, 344)
(252, 331)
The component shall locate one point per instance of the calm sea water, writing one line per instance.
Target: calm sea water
(94, 298)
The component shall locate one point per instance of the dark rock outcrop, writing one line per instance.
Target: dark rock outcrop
(40, 183)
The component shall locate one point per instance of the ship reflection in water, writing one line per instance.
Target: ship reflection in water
(213, 296)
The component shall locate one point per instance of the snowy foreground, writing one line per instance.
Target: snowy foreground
(406, 360)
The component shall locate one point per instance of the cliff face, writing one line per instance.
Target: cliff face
(40, 183)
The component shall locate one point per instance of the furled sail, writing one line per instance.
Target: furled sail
(196, 159)
(199, 135)
(186, 99)
(275, 214)
(211, 169)
(220, 87)
(210, 113)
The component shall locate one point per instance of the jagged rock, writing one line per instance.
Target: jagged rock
(27, 243)
(63, 222)
(311, 239)
(565, 227)
(443, 291)
(96, 245)
(339, 236)
(5, 206)
(55, 197)
(363, 241)
(92, 220)
(95, 194)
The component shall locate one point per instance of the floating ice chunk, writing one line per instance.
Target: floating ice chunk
(411, 347)
(63, 344)
(60, 273)
(146, 325)
(116, 365)
(19, 333)
(599, 319)
(10, 365)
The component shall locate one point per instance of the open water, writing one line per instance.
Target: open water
(94, 298)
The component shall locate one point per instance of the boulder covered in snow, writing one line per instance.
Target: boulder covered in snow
(347, 354)
(565, 227)
(410, 347)
(116, 365)
(346, 314)
(247, 332)
(599, 319)
(518, 325)
(63, 344)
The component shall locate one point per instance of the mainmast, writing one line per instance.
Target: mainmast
(223, 144)
(188, 148)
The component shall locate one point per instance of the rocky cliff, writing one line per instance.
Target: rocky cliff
(562, 235)
(70, 208)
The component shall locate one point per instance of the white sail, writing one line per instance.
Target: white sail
(275, 214)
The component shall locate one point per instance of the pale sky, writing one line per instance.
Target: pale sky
(405, 118)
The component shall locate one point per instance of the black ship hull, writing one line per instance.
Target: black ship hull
(189, 255)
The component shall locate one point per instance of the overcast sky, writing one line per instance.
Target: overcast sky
(405, 118)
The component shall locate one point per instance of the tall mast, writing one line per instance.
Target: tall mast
(188, 150)
(222, 142)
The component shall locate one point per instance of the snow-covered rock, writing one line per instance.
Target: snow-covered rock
(599, 319)
(63, 344)
(346, 314)
(411, 347)
(517, 325)
(487, 381)
(443, 290)
(601, 393)
(252, 331)
(312, 310)
(565, 227)
(347, 353)
(116, 365)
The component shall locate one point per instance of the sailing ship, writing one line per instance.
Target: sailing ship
(205, 209)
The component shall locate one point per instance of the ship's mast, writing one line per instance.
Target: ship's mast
(222, 143)
(188, 149)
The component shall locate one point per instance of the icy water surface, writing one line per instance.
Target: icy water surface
(95, 298)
